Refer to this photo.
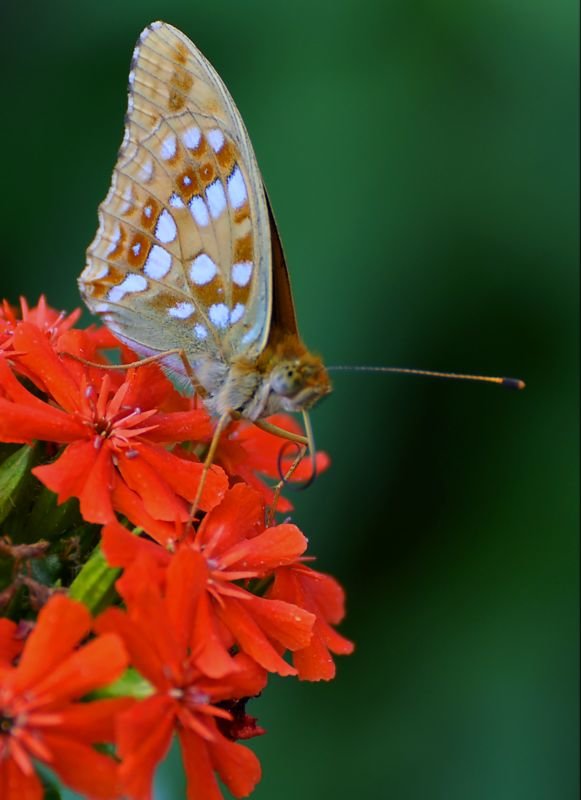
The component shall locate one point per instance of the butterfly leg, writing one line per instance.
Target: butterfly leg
(198, 388)
(276, 431)
(219, 430)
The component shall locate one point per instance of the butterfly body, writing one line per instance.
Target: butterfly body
(187, 256)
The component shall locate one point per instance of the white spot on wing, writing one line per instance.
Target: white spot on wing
(136, 248)
(236, 313)
(145, 174)
(219, 315)
(132, 283)
(114, 241)
(241, 272)
(158, 262)
(236, 188)
(199, 211)
(216, 139)
(166, 230)
(216, 198)
(176, 201)
(201, 331)
(203, 269)
(97, 273)
(192, 137)
(127, 200)
(169, 146)
(181, 310)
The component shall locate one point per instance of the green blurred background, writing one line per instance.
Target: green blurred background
(422, 161)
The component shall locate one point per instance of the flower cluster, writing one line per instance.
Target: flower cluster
(124, 621)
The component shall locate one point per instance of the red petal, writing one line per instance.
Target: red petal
(335, 642)
(67, 475)
(274, 548)
(180, 426)
(143, 654)
(97, 664)
(236, 765)
(184, 476)
(61, 624)
(21, 423)
(82, 768)
(251, 638)
(209, 651)
(202, 784)
(186, 579)
(96, 502)
(128, 503)
(144, 737)
(325, 591)
(15, 785)
(239, 516)
(149, 388)
(93, 722)
(288, 624)
(122, 548)
(159, 499)
(44, 362)
(248, 680)
(314, 663)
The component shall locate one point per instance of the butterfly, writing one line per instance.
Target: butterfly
(187, 264)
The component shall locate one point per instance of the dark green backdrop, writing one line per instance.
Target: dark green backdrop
(421, 158)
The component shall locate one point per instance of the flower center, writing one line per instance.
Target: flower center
(194, 697)
(6, 722)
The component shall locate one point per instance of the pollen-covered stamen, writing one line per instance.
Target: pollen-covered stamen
(196, 701)
(109, 418)
(220, 578)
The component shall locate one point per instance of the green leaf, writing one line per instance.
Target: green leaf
(95, 584)
(14, 477)
(130, 684)
(49, 782)
(52, 520)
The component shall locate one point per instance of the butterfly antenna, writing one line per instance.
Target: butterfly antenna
(508, 383)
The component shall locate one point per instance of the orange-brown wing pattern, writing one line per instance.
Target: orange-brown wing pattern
(182, 257)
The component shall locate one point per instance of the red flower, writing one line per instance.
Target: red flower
(324, 597)
(247, 452)
(40, 719)
(113, 436)
(47, 319)
(231, 545)
(157, 631)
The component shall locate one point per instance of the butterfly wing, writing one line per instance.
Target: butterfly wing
(283, 321)
(182, 257)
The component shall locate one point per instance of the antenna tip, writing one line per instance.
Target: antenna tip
(513, 383)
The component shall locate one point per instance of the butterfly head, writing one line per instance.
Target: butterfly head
(298, 383)
(292, 378)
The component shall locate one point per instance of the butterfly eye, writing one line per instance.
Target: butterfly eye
(286, 379)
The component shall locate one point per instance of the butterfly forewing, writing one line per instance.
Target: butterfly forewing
(182, 257)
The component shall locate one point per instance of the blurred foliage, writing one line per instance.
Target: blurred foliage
(422, 161)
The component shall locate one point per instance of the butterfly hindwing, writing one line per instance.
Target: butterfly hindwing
(182, 257)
